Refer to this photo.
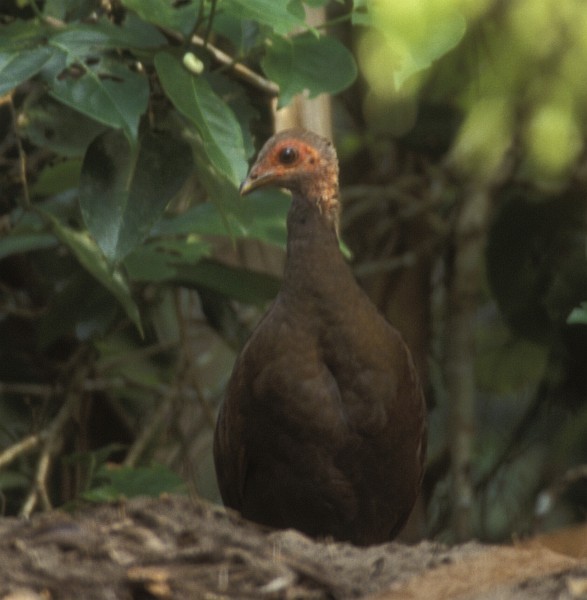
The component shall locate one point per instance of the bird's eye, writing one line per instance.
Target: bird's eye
(288, 155)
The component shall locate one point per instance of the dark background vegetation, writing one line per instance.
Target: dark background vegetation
(131, 272)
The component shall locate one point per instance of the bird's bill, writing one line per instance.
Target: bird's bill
(250, 183)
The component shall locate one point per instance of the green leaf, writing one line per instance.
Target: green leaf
(16, 67)
(261, 216)
(81, 40)
(578, 315)
(21, 35)
(160, 260)
(108, 92)
(91, 258)
(417, 33)
(274, 13)
(240, 284)
(52, 125)
(129, 482)
(25, 241)
(57, 178)
(122, 196)
(79, 306)
(306, 62)
(166, 14)
(215, 122)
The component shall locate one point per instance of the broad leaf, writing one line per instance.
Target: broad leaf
(240, 284)
(108, 92)
(80, 306)
(52, 125)
(128, 482)
(122, 195)
(274, 13)
(91, 258)
(417, 33)
(306, 62)
(25, 241)
(218, 127)
(181, 17)
(16, 67)
(21, 35)
(57, 178)
(262, 216)
(160, 260)
(578, 315)
(81, 40)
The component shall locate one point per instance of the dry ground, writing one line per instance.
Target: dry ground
(177, 548)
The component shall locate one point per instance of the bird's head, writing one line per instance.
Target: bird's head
(302, 162)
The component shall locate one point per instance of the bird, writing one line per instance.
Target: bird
(323, 423)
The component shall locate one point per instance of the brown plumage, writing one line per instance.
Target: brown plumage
(323, 424)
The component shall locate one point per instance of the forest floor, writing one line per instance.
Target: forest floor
(177, 548)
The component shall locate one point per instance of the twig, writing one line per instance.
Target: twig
(139, 354)
(151, 428)
(24, 446)
(26, 199)
(28, 389)
(55, 435)
(210, 22)
(240, 70)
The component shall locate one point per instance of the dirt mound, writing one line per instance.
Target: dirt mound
(177, 548)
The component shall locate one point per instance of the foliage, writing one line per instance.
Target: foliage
(137, 118)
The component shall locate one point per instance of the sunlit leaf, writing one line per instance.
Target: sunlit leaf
(416, 34)
(122, 195)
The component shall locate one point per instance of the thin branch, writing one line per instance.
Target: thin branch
(135, 355)
(240, 70)
(211, 16)
(153, 425)
(28, 389)
(55, 436)
(26, 199)
(27, 444)
(395, 263)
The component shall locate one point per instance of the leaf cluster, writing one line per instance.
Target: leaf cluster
(129, 127)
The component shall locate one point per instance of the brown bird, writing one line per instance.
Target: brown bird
(323, 426)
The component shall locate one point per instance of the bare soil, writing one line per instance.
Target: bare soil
(175, 547)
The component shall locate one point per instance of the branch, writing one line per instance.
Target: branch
(26, 199)
(54, 436)
(23, 447)
(240, 70)
(464, 289)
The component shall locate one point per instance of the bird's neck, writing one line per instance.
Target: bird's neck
(315, 267)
